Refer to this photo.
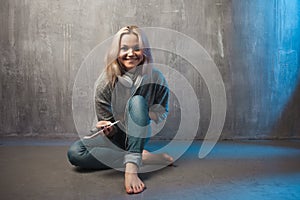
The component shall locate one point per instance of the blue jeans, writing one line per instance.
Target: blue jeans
(103, 153)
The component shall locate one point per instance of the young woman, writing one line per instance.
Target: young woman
(131, 91)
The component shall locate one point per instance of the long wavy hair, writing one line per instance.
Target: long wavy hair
(113, 68)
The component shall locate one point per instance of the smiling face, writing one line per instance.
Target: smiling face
(130, 54)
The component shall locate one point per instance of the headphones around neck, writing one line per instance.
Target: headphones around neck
(125, 80)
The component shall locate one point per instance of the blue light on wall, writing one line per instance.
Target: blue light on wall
(286, 56)
(286, 68)
(267, 48)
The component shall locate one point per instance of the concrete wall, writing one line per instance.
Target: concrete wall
(254, 43)
(264, 62)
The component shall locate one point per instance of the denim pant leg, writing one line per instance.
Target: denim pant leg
(137, 119)
(96, 153)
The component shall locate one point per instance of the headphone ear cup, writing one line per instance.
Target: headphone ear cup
(125, 80)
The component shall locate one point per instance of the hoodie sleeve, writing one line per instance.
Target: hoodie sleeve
(161, 107)
(103, 100)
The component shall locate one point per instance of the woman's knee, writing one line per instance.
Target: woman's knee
(137, 100)
(138, 110)
(75, 152)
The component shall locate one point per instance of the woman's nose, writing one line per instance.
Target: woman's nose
(130, 52)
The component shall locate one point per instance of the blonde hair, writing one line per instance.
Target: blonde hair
(112, 66)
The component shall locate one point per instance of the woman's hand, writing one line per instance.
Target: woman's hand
(152, 116)
(105, 126)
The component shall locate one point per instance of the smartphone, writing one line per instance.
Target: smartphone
(96, 131)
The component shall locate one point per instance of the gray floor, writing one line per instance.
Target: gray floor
(38, 169)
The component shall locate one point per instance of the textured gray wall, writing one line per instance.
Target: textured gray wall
(43, 44)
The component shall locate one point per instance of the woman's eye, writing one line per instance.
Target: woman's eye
(127, 48)
(136, 48)
(124, 48)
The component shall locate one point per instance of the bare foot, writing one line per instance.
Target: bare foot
(133, 183)
(150, 158)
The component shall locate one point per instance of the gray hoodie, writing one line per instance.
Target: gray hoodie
(111, 101)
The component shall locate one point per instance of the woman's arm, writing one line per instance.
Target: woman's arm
(159, 111)
(103, 102)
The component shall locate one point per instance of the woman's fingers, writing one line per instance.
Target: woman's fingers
(102, 124)
(107, 130)
(106, 127)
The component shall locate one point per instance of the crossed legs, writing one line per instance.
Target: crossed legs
(101, 153)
